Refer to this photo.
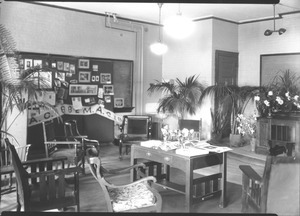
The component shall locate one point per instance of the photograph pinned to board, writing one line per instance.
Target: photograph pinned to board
(28, 64)
(93, 79)
(95, 67)
(78, 89)
(108, 89)
(60, 65)
(107, 99)
(76, 102)
(72, 68)
(100, 92)
(119, 102)
(90, 101)
(97, 78)
(21, 63)
(101, 102)
(84, 63)
(105, 78)
(66, 66)
(37, 63)
(53, 64)
(84, 77)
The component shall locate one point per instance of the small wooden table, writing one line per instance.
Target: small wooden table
(158, 163)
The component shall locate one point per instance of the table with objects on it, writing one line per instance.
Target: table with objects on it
(158, 163)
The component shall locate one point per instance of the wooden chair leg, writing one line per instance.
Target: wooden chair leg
(120, 149)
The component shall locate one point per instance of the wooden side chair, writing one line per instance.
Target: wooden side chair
(138, 196)
(6, 167)
(134, 129)
(56, 146)
(277, 191)
(73, 134)
(44, 186)
(190, 124)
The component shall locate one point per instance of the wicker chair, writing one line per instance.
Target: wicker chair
(138, 196)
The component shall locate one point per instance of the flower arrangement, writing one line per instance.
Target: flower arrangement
(246, 125)
(173, 135)
(272, 101)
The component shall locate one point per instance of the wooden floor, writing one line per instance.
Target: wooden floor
(109, 156)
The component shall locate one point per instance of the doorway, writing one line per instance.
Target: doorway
(226, 73)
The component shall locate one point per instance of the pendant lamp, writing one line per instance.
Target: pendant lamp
(159, 48)
(280, 31)
(179, 26)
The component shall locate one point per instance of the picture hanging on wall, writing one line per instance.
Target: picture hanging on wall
(119, 102)
(95, 67)
(66, 66)
(84, 77)
(28, 64)
(53, 64)
(105, 78)
(37, 63)
(107, 99)
(84, 63)
(60, 65)
(108, 89)
(78, 89)
(72, 68)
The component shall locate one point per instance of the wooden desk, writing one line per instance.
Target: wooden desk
(195, 189)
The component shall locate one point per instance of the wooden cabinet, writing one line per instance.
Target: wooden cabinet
(281, 129)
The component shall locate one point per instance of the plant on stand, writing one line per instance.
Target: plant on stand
(179, 98)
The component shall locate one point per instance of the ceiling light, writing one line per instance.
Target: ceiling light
(280, 31)
(179, 26)
(159, 48)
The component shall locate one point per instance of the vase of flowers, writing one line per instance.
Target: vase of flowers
(247, 129)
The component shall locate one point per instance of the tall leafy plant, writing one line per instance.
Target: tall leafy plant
(19, 88)
(232, 98)
(179, 97)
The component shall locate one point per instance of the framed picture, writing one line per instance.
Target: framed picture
(274, 64)
(28, 64)
(72, 68)
(95, 67)
(119, 102)
(108, 89)
(84, 77)
(84, 63)
(66, 66)
(105, 78)
(60, 65)
(78, 89)
(37, 63)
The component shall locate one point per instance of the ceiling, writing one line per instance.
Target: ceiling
(149, 12)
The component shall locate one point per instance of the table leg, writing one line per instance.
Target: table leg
(223, 203)
(188, 186)
(133, 173)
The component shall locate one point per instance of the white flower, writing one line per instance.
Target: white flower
(296, 97)
(279, 100)
(267, 103)
(256, 98)
(288, 95)
(270, 93)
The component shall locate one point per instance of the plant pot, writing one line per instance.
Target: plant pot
(235, 140)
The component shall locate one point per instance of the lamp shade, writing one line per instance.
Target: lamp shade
(158, 48)
(179, 27)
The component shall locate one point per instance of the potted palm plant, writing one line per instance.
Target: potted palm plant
(19, 88)
(233, 100)
(180, 98)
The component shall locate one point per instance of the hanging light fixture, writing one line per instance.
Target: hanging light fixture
(159, 48)
(179, 26)
(280, 31)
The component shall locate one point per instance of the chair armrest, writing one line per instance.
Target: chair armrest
(55, 172)
(62, 142)
(124, 169)
(45, 160)
(148, 178)
(251, 173)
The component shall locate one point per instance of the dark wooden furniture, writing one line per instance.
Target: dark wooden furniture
(45, 186)
(6, 167)
(277, 191)
(56, 146)
(72, 134)
(134, 128)
(195, 189)
(280, 129)
(138, 196)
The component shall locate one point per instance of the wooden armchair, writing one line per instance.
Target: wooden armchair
(56, 146)
(72, 132)
(6, 167)
(45, 186)
(277, 191)
(134, 128)
(138, 196)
